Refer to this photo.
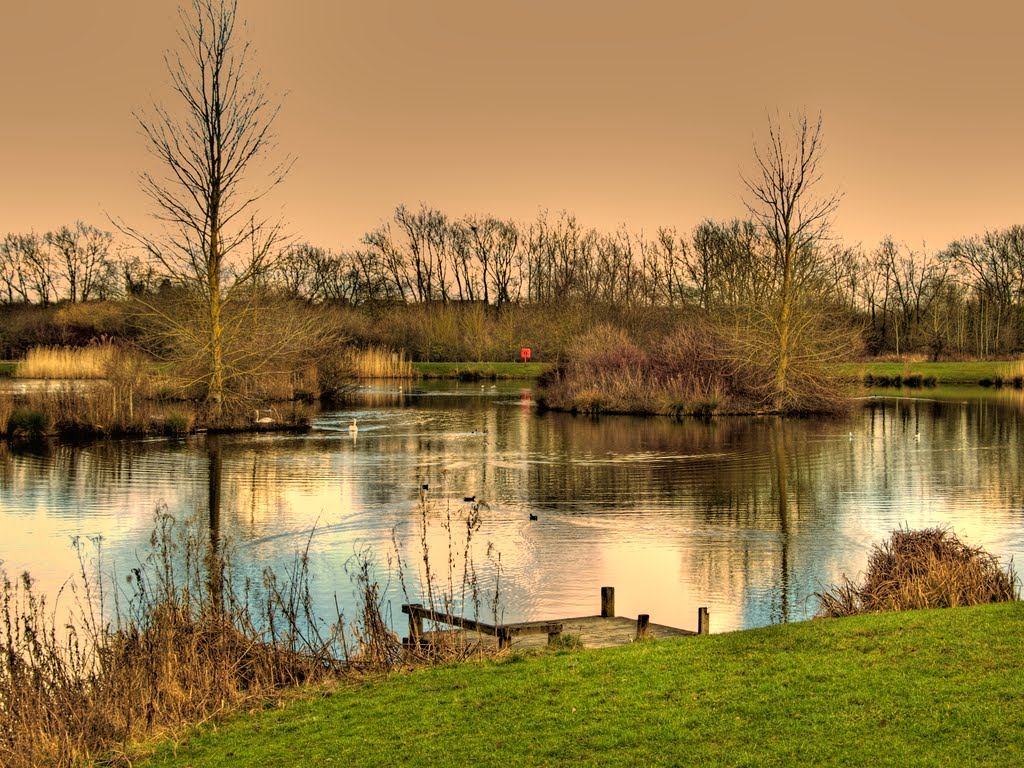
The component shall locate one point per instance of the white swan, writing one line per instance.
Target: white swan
(354, 426)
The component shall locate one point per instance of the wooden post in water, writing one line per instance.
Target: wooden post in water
(415, 625)
(702, 621)
(642, 622)
(607, 602)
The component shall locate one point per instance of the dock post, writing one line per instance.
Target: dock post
(702, 621)
(415, 625)
(607, 602)
(642, 622)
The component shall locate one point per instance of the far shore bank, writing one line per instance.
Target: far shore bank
(971, 372)
(41, 420)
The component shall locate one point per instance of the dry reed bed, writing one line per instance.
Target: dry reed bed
(929, 568)
(92, 362)
(101, 410)
(378, 363)
(129, 395)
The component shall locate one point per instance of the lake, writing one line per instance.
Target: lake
(748, 516)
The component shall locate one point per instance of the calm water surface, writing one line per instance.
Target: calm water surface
(749, 516)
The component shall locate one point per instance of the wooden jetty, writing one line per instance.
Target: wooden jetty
(600, 631)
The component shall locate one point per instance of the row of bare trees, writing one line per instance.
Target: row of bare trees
(72, 263)
(965, 299)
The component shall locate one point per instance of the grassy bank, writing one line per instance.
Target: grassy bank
(8, 367)
(475, 371)
(944, 373)
(941, 687)
(957, 373)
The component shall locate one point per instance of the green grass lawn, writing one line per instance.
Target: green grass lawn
(7, 367)
(930, 688)
(480, 370)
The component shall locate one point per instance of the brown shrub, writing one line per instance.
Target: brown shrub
(690, 371)
(929, 568)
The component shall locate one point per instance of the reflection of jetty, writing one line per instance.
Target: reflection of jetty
(601, 631)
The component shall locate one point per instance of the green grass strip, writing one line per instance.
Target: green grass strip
(944, 373)
(926, 688)
(7, 368)
(480, 370)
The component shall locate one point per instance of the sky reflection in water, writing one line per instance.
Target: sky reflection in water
(749, 516)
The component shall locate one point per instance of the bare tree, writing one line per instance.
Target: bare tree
(83, 258)
(13, 282)
(27, 269)
(213, 242)
(794, 220)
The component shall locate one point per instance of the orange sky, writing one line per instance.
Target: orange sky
(640, 113)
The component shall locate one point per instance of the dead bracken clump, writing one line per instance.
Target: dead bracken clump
(929, 568)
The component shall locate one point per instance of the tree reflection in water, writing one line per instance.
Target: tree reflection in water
(750, 516)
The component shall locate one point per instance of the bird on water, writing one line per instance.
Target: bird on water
(354, 426)
(533, 516)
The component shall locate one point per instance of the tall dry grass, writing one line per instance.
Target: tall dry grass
(455, 585)
(929, 568)
(104, 409)
(379, 363)
(189, 640)
(1011, 375)
(116, 402)
(90, 362)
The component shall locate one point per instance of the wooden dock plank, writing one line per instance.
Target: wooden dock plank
(592, 631)
(603, 631)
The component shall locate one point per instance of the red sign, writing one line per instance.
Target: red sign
(525, 353)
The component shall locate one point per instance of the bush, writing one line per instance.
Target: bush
(27, 422)
(689, 371)
(178, 423)
(929, 568)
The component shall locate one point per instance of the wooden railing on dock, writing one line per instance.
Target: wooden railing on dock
(506, 632)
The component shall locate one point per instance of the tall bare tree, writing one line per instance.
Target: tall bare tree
(793, 219)
(214, 242)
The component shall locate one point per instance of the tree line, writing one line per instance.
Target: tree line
(74, 263)
(965, 299)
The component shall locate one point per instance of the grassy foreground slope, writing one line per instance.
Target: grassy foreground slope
(923, 688)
